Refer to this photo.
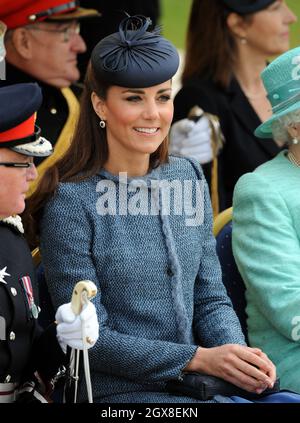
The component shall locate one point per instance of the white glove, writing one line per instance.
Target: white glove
(192, 139)
(69, 326)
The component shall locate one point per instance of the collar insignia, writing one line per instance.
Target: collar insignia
(3, 273)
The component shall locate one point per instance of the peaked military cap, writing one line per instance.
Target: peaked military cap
(243, 7)
(16, 13)
(134, 57)
(18, 132)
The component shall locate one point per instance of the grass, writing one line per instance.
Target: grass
(174, 19)
(295, 33)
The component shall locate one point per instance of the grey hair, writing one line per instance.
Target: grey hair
(279, 126)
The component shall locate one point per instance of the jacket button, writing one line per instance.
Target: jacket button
(13, 291)
(170, 272)
(7, 379)
(12, 336)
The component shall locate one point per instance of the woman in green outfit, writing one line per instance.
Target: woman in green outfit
(266, 228)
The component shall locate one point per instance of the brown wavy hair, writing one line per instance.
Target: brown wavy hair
(211, 49)
(87, 154)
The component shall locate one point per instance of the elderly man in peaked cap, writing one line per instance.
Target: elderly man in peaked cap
(42, 43)
(23, 344)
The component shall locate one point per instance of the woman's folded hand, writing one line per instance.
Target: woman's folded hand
(246, 367)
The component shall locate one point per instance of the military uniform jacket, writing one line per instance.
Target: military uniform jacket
(22, 341)
(243, 152)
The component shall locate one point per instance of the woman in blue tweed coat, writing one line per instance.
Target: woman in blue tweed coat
(115, 219)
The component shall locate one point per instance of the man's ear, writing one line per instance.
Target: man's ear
(22, 43)
(98, 105)
(237, 25)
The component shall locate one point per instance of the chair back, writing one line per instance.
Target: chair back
(230, 274)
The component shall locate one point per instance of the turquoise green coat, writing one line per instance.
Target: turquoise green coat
(266, 246)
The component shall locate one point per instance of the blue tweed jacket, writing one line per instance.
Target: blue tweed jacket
(159, 280)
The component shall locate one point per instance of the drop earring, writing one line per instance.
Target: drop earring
(102, 124)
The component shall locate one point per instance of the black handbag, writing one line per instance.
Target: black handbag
(205, 387)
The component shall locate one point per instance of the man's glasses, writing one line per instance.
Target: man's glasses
(68, 32)
(16, 164)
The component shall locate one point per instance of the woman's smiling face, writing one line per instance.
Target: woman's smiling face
(137, 120)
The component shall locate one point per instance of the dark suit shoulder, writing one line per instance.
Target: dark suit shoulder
(203, 93)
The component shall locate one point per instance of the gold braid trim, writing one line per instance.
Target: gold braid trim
(217, 141)
(64, 140)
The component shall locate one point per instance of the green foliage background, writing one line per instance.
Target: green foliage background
(174, 18)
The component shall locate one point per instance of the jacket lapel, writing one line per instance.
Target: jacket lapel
(248, 117)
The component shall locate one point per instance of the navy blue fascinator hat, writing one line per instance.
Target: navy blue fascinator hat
(244, 7)
(134, 57)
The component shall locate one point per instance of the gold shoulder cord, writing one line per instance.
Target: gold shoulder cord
(217, 141)
(64, 140)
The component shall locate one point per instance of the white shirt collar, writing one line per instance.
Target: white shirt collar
(14, 221)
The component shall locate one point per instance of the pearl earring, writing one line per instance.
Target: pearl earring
(295, 141)
(102, 124)
(243, 40)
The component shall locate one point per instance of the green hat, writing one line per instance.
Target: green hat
(282, 82)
